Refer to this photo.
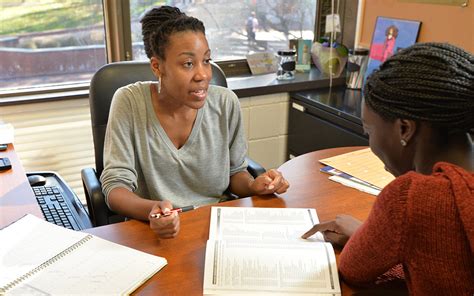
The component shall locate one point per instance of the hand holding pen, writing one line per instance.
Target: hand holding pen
(167, 226)
(174, 210)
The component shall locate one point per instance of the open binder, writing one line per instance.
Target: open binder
(259, 251)
(40, 258)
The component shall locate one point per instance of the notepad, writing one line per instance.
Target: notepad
(363, 165)
(40, 258)
(259, 251)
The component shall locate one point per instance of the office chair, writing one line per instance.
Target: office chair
(104, 83)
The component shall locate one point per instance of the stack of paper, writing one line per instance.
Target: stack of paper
(350, 181)
(359, 169)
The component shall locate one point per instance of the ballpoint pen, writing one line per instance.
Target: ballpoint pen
(175, 210)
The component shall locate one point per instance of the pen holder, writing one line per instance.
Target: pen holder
(329, 60)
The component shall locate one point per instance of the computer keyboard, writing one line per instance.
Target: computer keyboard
(59, 204)
(54, 207)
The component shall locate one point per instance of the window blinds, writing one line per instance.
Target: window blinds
(53, 136)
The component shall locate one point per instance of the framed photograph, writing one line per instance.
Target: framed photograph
(303, 62)
(302, 48)
(390, 35)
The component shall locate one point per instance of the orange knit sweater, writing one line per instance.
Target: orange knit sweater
(425, 223)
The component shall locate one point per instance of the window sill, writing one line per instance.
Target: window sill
(243, 86)
(256, 85)
(81, 91)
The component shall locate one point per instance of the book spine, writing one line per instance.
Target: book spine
(45, 264)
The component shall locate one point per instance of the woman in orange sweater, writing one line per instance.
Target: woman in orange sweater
(418, 111)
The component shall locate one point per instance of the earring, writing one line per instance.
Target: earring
(403, 142)
(158, 86)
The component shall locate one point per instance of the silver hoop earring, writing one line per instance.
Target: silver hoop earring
(403, 142)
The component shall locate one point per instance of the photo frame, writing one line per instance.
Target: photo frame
(302, 47)
(390, 35)
(303, 62)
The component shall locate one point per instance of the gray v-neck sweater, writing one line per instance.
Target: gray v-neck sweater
(139, 156)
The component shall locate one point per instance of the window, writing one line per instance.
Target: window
(54, 44)
(49, 43)
(229, 24)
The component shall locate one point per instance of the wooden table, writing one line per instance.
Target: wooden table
(16, 195)
(185, 254)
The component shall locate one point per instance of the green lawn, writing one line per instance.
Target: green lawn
(29, 16)
(45, 15)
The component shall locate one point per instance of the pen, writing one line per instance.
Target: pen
(175, 210)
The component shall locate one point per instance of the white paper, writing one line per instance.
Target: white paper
(90, 271)
(262, 224)
(46, 259)
(6, 133)
(332, 23)
(263, 268)
(28, 242)
(355, 185)
(258, 251)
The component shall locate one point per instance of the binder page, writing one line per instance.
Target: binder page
(97, 267)
(262, 224)
(30, 241)
(291, 268)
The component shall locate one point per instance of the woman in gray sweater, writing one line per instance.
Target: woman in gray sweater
(178, 141)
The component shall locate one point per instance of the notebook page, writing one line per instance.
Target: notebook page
(262, 224)
(28, 242)
(287, 268)
(96, 267)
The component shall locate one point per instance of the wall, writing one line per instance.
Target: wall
(441, 23)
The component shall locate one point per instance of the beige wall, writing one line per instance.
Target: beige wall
(441, 23)
(266, 127)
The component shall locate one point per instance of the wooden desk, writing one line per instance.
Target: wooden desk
(185, 254)
(16, 195)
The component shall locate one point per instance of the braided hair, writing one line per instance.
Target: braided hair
(159, 23)
(430, 82)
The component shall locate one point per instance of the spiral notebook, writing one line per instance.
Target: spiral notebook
(40, 258)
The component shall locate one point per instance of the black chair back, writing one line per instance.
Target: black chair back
(107, 80)
(104, 84)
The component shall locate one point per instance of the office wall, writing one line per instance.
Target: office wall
(441, 23)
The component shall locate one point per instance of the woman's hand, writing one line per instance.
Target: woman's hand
(271, 181)
(336, 231)
(167, 225)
